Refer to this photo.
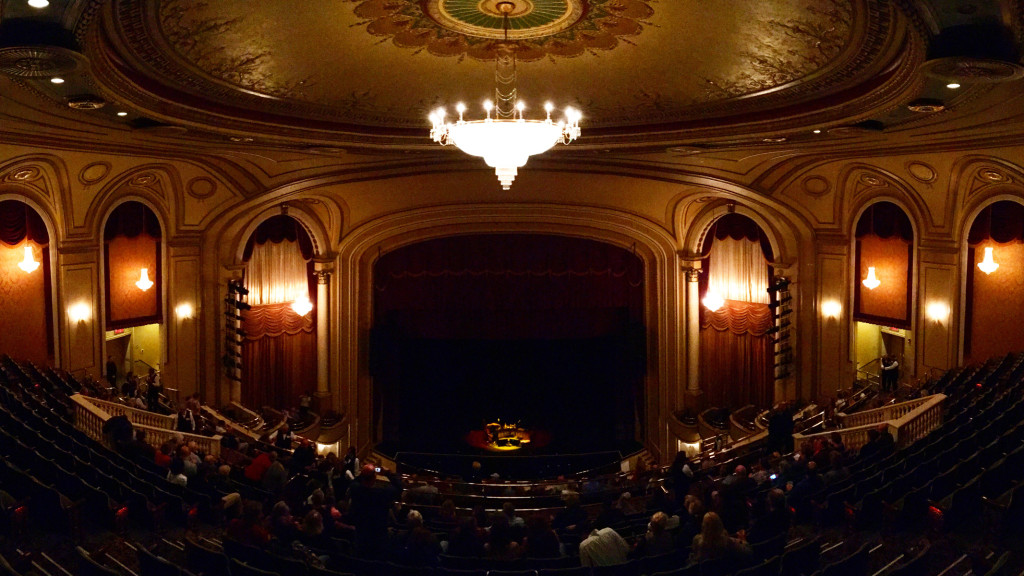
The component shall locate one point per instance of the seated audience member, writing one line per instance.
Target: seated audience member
(282, 524)
(500, 544)
(714, 542)
(303, 457)
(162, 457)
(657, 540)
(466, 540)
(541, 541)
(276, 475)
(311, 531)
(258, 467)
(603, 547)
(418, 546)
(447, 516)
(175, 472)
(573, 518)
(610, 515)
(775, 521)
(249, 528)
(886, 443)
(509, 510)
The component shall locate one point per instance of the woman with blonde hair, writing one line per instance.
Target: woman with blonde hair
(714, 542)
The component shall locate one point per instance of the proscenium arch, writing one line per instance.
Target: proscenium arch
(12, 192)
(653, 244)
(964, 230)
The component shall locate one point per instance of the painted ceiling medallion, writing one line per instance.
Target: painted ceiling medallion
(540, 28)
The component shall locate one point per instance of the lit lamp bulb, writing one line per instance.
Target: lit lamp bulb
(871, 281)
(988, 265)
(29, 264)
(712, 301)
(302, 306)
(144, 283)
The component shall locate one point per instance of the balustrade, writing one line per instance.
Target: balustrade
(136, 415)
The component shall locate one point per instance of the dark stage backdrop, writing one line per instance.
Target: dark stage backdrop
(544, 330)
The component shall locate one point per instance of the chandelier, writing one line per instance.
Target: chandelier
(29, 264)
(871, 281)
(144, 283)
(988, 265)
(507, 140)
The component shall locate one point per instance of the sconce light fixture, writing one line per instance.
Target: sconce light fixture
(29, 264)
(831, 309)
(871, 281)
(79, 312)
(712, 301)
(988, 265)
(184, 311)
(938, 312)
(144, 283)
(302, 306)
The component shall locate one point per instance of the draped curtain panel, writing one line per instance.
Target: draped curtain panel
(738, 271)
(276, 274)
(279, 350)
(732, 384)
(885, 240)
(132, 242)
(26, 313)
(995, 302)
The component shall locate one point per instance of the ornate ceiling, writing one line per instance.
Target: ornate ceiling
(669, 75)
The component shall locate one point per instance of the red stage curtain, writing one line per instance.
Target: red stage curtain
(26, 315)
(278, 369)
(995, 302)
(132, 236)
(736, 355)
(885, 240)
(508, 286)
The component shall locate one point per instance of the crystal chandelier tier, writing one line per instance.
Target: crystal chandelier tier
(507, 140)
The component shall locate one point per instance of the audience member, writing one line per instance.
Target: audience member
(603, 547)
(714, 542)
(541, 541)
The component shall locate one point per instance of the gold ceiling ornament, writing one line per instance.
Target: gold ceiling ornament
(508, 140)
(474, 28)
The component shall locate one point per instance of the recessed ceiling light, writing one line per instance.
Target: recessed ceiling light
(952, 85)
(817, 131)
(122, 113)
(38, 3)
(57, 80)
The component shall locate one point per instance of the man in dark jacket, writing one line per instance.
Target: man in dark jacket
(370, 501)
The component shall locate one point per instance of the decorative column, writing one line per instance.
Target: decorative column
(693, 391)
(323, 391)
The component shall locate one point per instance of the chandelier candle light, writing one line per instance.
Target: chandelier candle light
(871, 281)
(29, 264)
(507, 140)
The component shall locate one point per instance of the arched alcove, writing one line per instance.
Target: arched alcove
(736, 359)
(26, 284)
(279, 352)
(994, 299)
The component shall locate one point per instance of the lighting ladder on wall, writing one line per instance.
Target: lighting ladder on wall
(781, 305)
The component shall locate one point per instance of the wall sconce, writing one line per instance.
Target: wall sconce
(79, 312)
(144, 283)
(831, 309)
(871, 281)
(29, 264)
(712, 301)
(988, 265)
(302, 306)
(184, 311)
(937, 312)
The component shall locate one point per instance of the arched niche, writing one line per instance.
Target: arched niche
(26, 281)
(993, 295)
(278, 352)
